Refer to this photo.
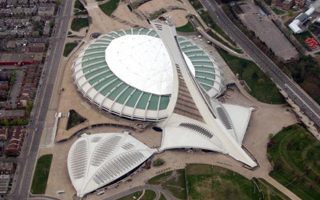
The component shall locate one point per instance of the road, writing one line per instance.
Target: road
(294, 91)
(27, 160)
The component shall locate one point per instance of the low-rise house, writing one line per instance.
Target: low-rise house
(47, 28)
(36, 47)
(47, 10)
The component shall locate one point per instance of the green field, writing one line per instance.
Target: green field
(109, 6)
(203, 182)
(295, 154)
(68, 48)
(211, 182)
(186, 28)
(261, 87)
(41, 174)
(79, 23)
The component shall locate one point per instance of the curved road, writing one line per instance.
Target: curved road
(294, 91)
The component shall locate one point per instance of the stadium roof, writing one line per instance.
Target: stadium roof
(129, 73)
(188, 133)
(100, 159)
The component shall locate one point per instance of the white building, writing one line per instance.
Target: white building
(100, 159)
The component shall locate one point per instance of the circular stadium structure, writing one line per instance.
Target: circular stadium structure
(129, 73)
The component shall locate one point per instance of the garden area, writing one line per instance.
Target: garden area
(256, 80)
(295, 154)
(68, 48)
(74, 119)
(41, 174)
(109, 7)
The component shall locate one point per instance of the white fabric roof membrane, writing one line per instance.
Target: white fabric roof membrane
(97, 160)
(142, 62)
(189, 133)
(240, 117)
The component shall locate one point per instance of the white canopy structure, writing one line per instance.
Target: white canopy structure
(100, 159)
(183, 132)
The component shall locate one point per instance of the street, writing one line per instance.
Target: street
(294, 91)
(27, 160)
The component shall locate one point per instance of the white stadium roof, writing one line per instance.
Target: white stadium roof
(142, 62)
(188, 133)
(129, 73)
(100, 159)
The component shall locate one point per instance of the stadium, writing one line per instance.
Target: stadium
(169, 80)
(129, 73)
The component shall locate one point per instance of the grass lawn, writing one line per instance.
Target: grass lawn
(109, 6)
(40, 177)
(132, 196)
(212, 182)
(261, 87)
(162, 197)
(205, 182)
(186, 28)
(68, 48)
(149, 195)
(295, 155)
(160, 178)
(277, 11)
(79, 23)
(74, 119)
(158, 162)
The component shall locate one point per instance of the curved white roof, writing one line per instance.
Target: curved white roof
(183, 132)
(142, 62)
(97, 160)
(129, 73)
